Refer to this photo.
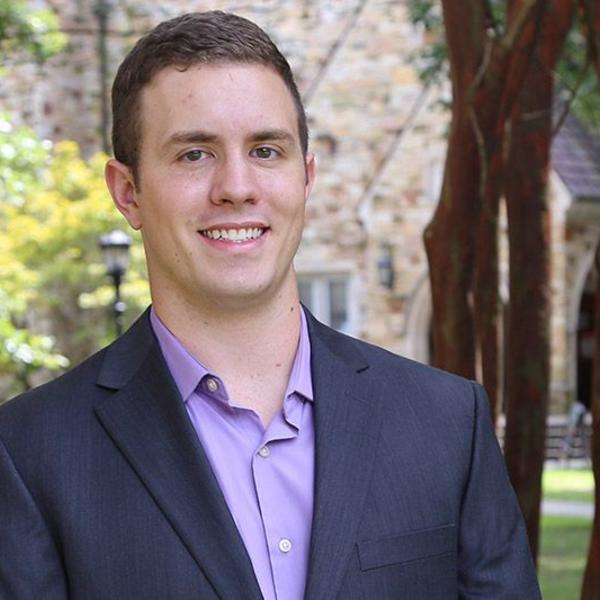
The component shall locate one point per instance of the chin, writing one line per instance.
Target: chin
(253, 293)
(239, 292)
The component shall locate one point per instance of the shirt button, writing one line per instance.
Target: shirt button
(285, 545)
(264, 451)
(212, 385)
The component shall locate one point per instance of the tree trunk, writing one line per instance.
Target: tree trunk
(590, 18)
(486, 78)
(487, 313)
(505, 78)
(527, 364)
(591, 578)
(449, 238)
(590, 11)
(449, 244)
(528, 356)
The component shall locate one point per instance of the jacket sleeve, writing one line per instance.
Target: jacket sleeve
(30, 566)
(493, 553)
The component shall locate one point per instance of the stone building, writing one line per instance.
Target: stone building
(379, 136)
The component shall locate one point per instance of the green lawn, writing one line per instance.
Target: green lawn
(564, 540)
(569, 484)
(564, 545)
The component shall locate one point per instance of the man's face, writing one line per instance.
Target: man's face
(222, 184)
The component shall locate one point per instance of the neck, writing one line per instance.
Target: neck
(249, 340)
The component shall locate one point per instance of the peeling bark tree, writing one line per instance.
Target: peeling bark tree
(449, 239)
(528, 352)
(512, 58)
(590, 12)
(591, 579)
(486, 77)
(500, 133)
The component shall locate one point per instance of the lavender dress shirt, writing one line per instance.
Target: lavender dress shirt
(266, 475)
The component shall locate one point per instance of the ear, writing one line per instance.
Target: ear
(311, 173)
(121, 185)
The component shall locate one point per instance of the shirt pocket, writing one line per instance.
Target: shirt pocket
(407, 547)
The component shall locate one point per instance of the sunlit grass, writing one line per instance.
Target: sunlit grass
(564, 540)
(569, 484)
(564, 544)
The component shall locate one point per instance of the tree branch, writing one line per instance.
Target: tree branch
(572, 95)
(590, 22)
(465, 28)
(491, 22)
(518, 22)
(523, 33)
(483, 67)
(481, 151)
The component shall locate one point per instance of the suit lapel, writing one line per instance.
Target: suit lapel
(147, 421)
(347, 427)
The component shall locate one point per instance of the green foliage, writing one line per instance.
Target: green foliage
(22, 352)
(430, 60)
(427, 13)
(56, 297)
(578, 81)
(572, 75)
(34, 32)
(22, 159)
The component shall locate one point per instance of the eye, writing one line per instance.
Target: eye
(265, 153)
(194, 155)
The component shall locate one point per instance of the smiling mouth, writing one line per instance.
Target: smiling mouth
(243, 234)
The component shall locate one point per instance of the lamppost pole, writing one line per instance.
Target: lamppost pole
(118, 305)
(115, 249)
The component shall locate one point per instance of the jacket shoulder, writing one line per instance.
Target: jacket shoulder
(73, 385)
(113, 364)
(432, 394)
(395, 367)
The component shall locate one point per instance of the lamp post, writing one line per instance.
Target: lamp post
(385, 267)
(115, 251)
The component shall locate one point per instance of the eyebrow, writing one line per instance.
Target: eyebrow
(280, 135)
(204, 137)
(189, 137)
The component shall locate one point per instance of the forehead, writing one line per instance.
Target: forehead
(229, 97)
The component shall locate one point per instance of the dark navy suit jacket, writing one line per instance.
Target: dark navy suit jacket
(106, 492)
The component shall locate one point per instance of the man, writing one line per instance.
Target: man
(229, 445)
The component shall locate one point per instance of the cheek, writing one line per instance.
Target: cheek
(292, 199)
(296, 221)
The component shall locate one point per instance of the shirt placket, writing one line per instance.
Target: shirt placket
(278, 532)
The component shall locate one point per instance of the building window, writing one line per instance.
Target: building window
(327, 296)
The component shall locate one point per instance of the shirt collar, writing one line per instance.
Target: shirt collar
(188, 372)
(301, 375)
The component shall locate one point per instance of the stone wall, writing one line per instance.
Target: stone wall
(378, 134)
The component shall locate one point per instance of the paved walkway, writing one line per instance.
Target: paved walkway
(568, 508)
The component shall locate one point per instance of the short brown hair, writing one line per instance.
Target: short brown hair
(201, 37)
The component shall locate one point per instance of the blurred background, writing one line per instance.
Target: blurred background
(455, 218)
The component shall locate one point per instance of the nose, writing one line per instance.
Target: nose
(233, 182)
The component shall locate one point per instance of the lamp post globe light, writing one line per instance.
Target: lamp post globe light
(115, 251)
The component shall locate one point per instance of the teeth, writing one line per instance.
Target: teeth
(233, 235)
